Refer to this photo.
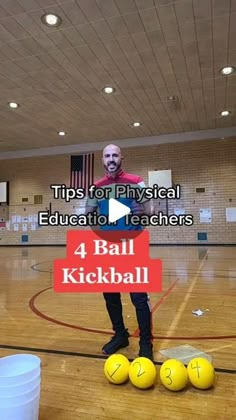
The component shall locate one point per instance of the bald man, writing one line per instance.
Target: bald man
(112, 161)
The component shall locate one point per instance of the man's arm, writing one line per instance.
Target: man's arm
(90, 209)
(91, 205)
(144, 208)
(148, 208)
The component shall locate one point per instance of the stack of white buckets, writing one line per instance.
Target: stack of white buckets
(20, 380)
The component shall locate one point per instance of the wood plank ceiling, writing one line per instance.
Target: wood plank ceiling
(147, 50)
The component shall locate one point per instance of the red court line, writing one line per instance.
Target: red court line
(55, 321)
(93, 330)
(168, 292)
(159, 303)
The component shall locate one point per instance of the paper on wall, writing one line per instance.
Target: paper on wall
(231, 214)
(24, 227)
(179, 211)
(205, 216)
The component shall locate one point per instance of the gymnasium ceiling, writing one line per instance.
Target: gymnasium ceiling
(148, 50)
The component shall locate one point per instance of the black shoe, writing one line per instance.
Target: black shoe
(145, 350)
(117, 342)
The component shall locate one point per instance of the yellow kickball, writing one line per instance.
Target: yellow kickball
(142, 373)
(201, 373)
(173, 375)
(116, 368)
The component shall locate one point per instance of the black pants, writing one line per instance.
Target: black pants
(143, 313)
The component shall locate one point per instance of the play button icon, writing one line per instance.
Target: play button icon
(116, 210)
(114, 219)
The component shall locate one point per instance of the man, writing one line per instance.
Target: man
(112, 162)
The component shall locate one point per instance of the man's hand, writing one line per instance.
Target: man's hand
(90, 209)
(140, 209)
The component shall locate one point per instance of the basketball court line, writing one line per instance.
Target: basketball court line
(88, 355)
(110, 332)
(183, 305)
(219, 348)
(169, 272)
(159, 303)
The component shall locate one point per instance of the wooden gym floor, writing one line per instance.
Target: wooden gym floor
(68, 331)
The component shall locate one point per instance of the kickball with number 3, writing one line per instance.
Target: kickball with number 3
(174, 375)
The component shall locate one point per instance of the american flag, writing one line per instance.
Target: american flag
(82, 171)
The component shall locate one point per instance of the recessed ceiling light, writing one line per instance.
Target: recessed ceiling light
(13, 105)
(108, 89)
(225, 113)
(50, 19)
(136, 124)
(226, 71)
(61, 133)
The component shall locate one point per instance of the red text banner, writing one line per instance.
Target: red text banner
(117, 262)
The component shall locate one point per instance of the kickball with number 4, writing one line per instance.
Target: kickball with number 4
(174, 375)
(201, 373)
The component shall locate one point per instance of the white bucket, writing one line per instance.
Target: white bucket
(18, 369)
(14, 390)
(19, 399)
(27, 411)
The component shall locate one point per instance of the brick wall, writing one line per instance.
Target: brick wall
(208, 164)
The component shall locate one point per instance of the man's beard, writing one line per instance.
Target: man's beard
(112, 167)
